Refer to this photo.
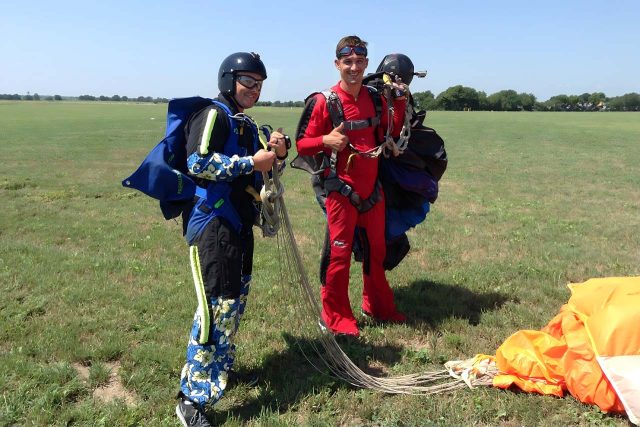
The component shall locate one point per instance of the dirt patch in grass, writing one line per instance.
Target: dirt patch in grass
(376, 368)
(352, 422)
(113, 389)
(427, 341)
(82, 370)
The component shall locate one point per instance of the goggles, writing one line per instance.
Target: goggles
(348, 50)
(249, 82)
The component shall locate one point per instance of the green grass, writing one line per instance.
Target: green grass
(91, 274)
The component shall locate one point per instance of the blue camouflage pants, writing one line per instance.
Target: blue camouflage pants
(205, 373)
(221, 264)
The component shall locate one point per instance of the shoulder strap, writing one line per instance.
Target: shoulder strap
(376, 97)
(336, 112)
(233, 119)
(224, 107)
(377, 100)
(231, 145)
(334, 105)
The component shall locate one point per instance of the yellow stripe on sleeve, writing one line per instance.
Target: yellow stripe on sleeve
(206, 133)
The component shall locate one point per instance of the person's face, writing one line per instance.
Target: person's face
(248, 87)
(352, 68)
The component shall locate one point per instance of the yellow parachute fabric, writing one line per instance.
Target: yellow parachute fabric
(590, 349)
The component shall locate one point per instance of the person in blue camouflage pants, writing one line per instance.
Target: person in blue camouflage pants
(225, 159)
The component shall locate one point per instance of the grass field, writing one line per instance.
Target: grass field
(96, 294)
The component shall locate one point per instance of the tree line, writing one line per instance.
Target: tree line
(462, 98)
(280, 104)
(455, 98)
(116, 98)
(123, 98)
(29, 97)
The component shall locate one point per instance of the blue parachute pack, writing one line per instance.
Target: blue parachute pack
(163, 173)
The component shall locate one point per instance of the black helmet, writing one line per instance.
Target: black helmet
(398, 64)
(239, 61)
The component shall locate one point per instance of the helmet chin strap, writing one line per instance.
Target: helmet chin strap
(238, 104)
(232, 98)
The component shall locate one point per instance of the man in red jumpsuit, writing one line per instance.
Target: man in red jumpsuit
(317, 133)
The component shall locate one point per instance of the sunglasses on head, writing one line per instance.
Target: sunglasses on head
(348, 50)
(249, 82)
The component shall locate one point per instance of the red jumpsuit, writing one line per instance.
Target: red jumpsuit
(342, 216)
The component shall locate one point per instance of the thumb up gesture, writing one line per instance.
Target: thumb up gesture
(336, 139)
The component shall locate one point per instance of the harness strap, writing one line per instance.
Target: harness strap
(361, 124)
(336, 112)
(332, 183)
(213, 200)
(333, 161)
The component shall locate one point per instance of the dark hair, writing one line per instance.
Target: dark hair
(350, 41)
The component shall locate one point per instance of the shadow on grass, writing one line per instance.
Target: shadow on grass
(430, 302)
(286, 377)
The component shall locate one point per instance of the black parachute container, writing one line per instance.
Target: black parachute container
(424, 161)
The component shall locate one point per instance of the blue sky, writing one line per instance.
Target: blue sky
(173, 48)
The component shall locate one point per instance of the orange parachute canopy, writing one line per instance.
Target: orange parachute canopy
(590, 349)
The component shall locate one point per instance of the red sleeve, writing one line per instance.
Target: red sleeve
(314, 124)
(399, 110)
